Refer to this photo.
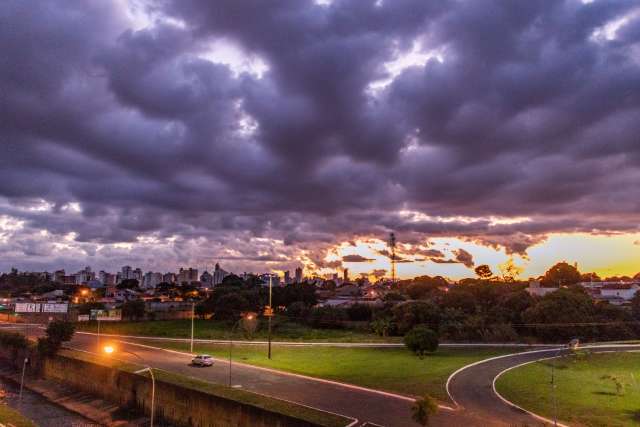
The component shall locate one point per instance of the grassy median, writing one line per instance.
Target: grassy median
(283, 330)
(592, 390)
(390, 369)
(9, 416)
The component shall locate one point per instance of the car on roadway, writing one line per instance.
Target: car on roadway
(202, 360)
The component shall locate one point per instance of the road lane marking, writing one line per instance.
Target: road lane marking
(291, 374)
(592, 346)
(314, 344)
(354, 420)
(513, 405)
(471, 365)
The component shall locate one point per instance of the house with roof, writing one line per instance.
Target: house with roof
(626, 291)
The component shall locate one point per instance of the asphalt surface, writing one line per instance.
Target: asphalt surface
(471, 388)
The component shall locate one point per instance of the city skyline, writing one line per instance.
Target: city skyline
(302, 133)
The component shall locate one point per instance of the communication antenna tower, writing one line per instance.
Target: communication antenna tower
(392, 247)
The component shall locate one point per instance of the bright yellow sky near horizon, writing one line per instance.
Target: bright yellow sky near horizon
(607, 255)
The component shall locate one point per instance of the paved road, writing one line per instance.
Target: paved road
(471, 388)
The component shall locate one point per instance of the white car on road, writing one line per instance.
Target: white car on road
(202, 360)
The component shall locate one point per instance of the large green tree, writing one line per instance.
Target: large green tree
(562, 274)
(559, 315)
(483, 271)
(635, 306)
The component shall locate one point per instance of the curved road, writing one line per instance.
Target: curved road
(471, 388)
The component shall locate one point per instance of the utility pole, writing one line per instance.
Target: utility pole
(24, 368)
(392, 246)
(270, 316)
(193, 313)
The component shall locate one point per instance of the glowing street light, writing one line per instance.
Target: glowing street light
(109, 349)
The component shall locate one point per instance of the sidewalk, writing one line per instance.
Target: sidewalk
(95, 409)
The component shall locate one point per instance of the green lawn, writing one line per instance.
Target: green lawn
(390, 369)
(584, 397)
(208, 329)
(11, 416)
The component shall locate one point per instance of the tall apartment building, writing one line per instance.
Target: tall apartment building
(219, 274)
(188, 275)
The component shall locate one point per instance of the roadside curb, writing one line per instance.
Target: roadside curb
(520, 408)
(626, 348)
(316, 344)
(479, 362)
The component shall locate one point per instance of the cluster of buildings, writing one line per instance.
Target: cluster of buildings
(166, 303)
(150, 280)
(616, 293)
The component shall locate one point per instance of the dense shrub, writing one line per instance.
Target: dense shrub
(359, 312)
(563, 306)
(134, 310)
(327, 317)
(423, 409)
(57, 333)
(230, 307)
(394, 297)
(421, 340)
(13, 340)
(298, 311)
(60, 331)
(384, 326)
(408, 314)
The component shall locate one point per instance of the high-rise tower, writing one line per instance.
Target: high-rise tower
(392, 250)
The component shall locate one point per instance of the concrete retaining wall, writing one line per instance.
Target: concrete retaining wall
(176, 404)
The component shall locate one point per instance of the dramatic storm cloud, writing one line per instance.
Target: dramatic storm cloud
(265, 133)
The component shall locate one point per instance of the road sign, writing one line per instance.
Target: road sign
(27, 307)
(35, 307)
(268, 311)
(55, 308)
(106, 315)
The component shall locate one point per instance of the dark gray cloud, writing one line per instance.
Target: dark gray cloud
(355, 258)
(464, 258)
(112, 132)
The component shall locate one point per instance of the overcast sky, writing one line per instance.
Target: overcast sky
(271, 134)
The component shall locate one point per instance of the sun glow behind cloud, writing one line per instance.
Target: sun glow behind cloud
(606, 255)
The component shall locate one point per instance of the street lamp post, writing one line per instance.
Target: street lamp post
(572, 346)
(109, 350)
(270, 315)
(193, 313)
(98, 335)
(24, 368)
(553, 388)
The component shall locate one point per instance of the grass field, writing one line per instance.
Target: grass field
(11, 416)
(584, 397)
(390, 369)
(208, 329)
